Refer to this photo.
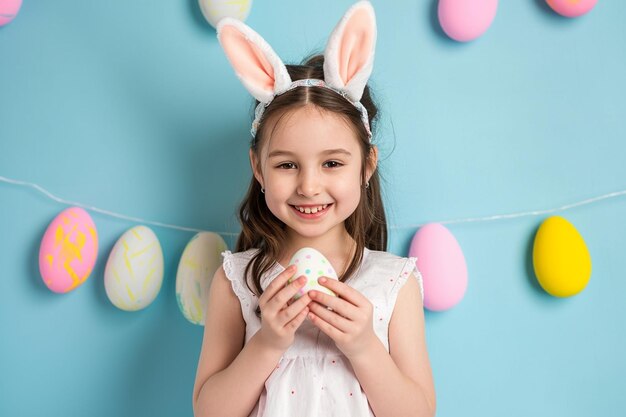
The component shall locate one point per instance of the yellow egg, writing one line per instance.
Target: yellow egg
(214, 10)
(560, 257)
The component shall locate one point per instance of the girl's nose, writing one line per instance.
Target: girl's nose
(309, 184)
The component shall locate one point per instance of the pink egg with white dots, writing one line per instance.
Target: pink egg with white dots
(68, 250)
(8, 10)
(571, 8)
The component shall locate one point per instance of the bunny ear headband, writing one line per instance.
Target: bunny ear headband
(348, 60)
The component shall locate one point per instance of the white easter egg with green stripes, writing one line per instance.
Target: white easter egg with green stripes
(134, 270)
(198, 263)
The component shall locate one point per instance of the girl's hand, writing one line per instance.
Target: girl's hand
(349, 323)
(280, 321)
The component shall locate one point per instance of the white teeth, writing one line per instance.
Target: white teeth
(309, 210)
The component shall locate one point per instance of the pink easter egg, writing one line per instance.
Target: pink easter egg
(442, 264)
(571, 8)
(68, 250)
(8, 10)
(465, 20)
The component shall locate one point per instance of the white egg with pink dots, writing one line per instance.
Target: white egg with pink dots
(313, 265)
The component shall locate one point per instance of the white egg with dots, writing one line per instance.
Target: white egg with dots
(313, 265)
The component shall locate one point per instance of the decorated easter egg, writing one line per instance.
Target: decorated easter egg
(214, 10)
(465, 20)
(442, 264)
(68, 250)
(313, 265)
(199, 261)
(8, 10)
(571, 8)
(560, 257)
(134, 271)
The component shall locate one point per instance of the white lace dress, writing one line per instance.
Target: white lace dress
(313, 378)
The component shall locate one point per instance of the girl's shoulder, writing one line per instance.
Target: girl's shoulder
(384, 256)
(234, 265)
(388, 260)
(237, 258)
(388, 271)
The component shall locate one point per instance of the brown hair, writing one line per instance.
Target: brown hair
(261, 229)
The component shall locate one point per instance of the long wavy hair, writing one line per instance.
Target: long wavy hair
(264, 231)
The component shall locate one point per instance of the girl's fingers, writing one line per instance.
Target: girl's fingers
(279, 282)
(291, 312)
(287, 293)
(324, 326)
(344, 291)
(330, 317)
(297, 321)
(339, 305)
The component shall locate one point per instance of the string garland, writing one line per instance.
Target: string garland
(414, 226)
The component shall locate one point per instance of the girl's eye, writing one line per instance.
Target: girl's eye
(287, 165)
(333, 164)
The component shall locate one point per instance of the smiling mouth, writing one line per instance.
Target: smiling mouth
(311, 210)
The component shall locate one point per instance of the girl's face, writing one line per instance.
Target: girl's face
(310, 167)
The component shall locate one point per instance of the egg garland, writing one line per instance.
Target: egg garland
(68, 250)
(560, 258)
(572, 8)
(553, 235)
(214, 10)
(441, 262)
(313, 265)
(466, 20)
(198, 263)
(9, 10)
(134, 270)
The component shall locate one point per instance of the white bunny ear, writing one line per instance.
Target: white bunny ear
(256, 64)
(349, 55)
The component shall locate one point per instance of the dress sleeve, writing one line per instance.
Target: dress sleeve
(409, 269)
(234, 268)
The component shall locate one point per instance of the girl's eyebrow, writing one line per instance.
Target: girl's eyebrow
(279, 152)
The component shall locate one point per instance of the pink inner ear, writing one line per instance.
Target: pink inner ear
(247, 59)
(356, 44)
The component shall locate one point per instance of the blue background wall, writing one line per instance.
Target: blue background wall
(132, 107)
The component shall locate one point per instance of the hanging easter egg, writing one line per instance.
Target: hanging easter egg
(560, 257)
(571, 8)
(199, 261)
(214, 10)
(8, 10)
(442, 264)
(68, 250)
(313, 265)
(134, 271)
(466, 20)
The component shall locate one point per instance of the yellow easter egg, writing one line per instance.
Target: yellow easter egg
(560, 257)
(214, 10)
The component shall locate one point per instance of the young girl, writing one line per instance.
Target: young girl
(315, 184)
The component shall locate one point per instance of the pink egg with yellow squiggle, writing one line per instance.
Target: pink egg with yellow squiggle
(68, 250)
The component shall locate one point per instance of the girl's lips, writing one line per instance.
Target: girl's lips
(311, 215)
